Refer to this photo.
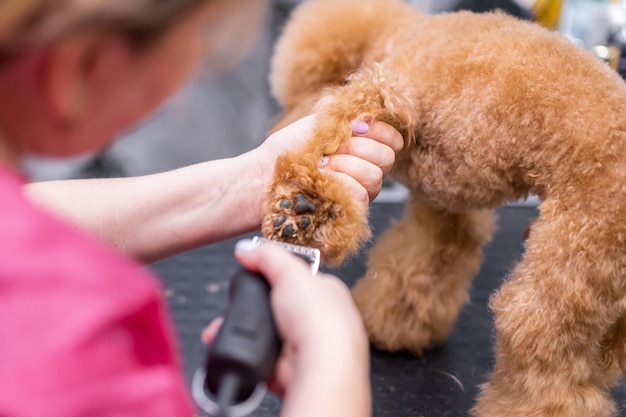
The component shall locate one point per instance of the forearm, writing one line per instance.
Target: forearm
(156, 216)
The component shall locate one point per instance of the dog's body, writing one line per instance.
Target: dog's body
(492, 109)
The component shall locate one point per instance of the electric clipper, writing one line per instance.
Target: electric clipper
(246, 348)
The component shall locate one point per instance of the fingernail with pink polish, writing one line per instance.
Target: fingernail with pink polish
(360, 127)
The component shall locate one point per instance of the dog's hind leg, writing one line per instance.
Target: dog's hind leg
(418, 276)
(555, 317)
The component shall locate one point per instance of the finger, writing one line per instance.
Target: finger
(379, 131)
(209, 332)
(272, 261)
(282, 373)
(368, 175)
(357, 191)
(276, 387)
(371, 151)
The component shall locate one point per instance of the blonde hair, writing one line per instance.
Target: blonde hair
(25, 23)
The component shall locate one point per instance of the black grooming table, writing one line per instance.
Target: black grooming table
(443, 383)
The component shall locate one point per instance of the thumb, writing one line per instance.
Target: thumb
(272, 261)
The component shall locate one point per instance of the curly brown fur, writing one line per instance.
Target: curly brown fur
(492, 109)
(419, 273)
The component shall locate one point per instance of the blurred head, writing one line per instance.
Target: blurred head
(74, 73)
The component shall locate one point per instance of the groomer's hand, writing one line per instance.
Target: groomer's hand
(325, 352)
(362, 162)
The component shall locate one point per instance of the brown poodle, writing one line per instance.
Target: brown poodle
(492, 109)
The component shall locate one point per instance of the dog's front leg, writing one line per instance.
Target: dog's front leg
(308, 206)
(418, 276)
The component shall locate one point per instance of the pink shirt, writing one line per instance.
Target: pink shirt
(83, 331)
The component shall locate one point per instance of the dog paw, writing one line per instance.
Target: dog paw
(556, 399)
(294, 218)
(400, 318)
(309, 208)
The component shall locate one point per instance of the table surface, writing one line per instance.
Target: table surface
(445, 382)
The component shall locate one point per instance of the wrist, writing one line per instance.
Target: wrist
(206, 203)
(258, 168)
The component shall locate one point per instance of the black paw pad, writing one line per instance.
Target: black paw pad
(288, 231)
(303, 205)
(305, 222)
(293, 217)
(278, 221)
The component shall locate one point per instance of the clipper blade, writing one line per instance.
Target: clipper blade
(311, 255)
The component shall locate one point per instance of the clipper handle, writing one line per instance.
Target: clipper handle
(247, 344)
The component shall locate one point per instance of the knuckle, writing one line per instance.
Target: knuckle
(362, 195)
(393, 138)
(375, 177)
(398, 138)
(388, 157)
(389, 136)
